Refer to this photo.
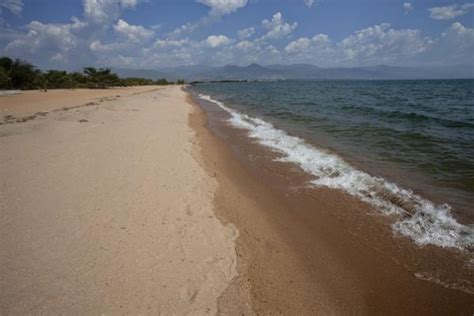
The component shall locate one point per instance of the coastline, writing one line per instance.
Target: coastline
(151, 203)
(332, 252)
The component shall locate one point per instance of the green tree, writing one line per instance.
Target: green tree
(4, 79)
(101, 78)
(6, 65)
(56, 79)
(78, 80)
(19, 74)
(162, 81)
(24, 75)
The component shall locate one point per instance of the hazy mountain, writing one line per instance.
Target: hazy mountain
(140, 73)
(299, 71)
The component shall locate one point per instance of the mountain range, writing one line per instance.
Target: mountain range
(298, 71)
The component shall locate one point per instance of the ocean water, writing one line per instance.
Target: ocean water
(405, 147)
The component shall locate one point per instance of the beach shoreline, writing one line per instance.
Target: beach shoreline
(338, 248)
(151, 203)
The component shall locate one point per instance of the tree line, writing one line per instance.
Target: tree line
(21, 74)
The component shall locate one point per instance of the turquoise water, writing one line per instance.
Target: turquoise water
(416, 134)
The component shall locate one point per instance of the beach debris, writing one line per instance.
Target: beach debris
(41, 114)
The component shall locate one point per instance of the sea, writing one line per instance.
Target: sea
(403, 146)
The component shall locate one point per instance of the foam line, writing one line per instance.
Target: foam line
(420, 219)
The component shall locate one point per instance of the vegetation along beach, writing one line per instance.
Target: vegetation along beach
(236, 157)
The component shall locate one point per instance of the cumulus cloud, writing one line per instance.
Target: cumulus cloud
(53, 41)
(223, 7)
(309, 3)
(378, 44)
(246, 33)
(217, 40)
(277, 28)
(407, 7)
(161, 43)
(135, 33)
(78, 42)
(450, 12)
(115, 42)
(104, 11)
(247, 52)
(381, 44)
(316, 50)
(456, 43)
(39, 35)
(219, 8)
(97, 47)
(303, 44)
(375, 45)
(14, 6)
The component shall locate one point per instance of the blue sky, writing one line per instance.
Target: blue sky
(161, 33)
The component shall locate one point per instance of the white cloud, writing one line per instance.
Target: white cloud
(245, 45)
(378, 44)
(186, 28)
(219, 8)
(118, 43)
(450, 12)
(247, 52)
(171, 43)
(309, 3)
(78, 42)
(315, 50)
(97, 46)
(381, 44)
(49, 37)
(246, 33)
(456, 44)
(106, 11)
(14, 6)
(217, 40)
(223, 7)
(135, 33)
(407, 7)
(277, 28)
(303, 44)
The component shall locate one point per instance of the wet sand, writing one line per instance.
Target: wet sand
(317, 251)
(105, 210)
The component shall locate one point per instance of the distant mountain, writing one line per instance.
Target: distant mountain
(299, 71)
(250, 72)
(140, 73)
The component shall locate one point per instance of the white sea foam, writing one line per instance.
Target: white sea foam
(420, 219)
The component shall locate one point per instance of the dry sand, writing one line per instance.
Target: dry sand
(105, 209)
(30, 102)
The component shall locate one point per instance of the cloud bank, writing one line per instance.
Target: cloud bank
(103, 37)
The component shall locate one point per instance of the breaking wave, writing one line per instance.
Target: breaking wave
(419, 218)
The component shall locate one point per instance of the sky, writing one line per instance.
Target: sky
(154, 34)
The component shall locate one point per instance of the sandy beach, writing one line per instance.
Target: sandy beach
(104, 208)
(142, 201)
